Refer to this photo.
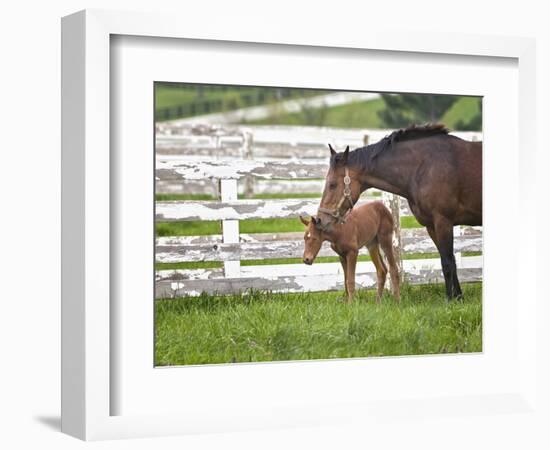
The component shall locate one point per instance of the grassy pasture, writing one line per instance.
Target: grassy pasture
(264, 326)
(364, 114)
(281, 327)
(352, 115)
(192, 99)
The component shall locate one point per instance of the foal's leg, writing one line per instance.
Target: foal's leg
(344, 266)
(442, 235)
(387, 245)
(381, 271)
(351, 262)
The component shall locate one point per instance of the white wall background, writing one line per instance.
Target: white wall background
(30, 198)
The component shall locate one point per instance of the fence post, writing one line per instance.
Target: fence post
(230, 228)
(366, 140)
(248, 141)
(393, 202)
(458, 231)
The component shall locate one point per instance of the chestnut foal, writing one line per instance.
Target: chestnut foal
(370, 224)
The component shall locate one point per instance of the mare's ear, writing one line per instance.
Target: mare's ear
(332, 151)
(345, 156)
(304, 221)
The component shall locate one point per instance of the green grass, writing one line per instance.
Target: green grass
(409, 222)
(205, 227)
(274, 261)
(181, 197)
(189, 228)
(184, 100)
(463, 109)
(365, 115)
(281, 327)
(352, 115)
(167, 95)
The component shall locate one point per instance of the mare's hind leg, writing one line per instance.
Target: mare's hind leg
(387, 246)
(442, 235)
(381, 271)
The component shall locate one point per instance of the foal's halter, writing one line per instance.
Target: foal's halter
(340, 218)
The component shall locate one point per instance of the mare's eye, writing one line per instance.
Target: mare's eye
(332, 186)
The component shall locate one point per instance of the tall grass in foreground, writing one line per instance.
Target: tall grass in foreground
(278, 327)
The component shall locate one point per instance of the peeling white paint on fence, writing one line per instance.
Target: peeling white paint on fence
(188, 274)
(239, 209)
(426, 245)
(209, 187)
(270, 143)
(170, 289)
(284, 249)
(283, 245)
(266, 271)
(235, 210)
(406, 233)
(277, 134)
(183, 169)
(304, 283)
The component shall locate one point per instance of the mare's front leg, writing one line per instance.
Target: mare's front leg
(442, 235)
(351, 262)
(344, 267)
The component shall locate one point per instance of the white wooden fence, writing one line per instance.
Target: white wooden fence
(220, 157)
(260, 143)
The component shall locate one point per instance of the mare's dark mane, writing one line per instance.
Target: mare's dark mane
(361, 156)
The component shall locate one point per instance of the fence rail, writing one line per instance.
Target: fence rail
(181, 250)
(242, 209)
(274, 155)
(284, 270)
(296, 283)
(186, 169)
(174, 136)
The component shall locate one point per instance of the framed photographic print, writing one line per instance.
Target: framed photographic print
(234, 204)
(239, 211)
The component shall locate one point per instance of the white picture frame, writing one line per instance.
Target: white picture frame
(87, 326)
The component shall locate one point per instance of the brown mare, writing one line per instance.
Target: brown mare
(439, 175)
(369, 225)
